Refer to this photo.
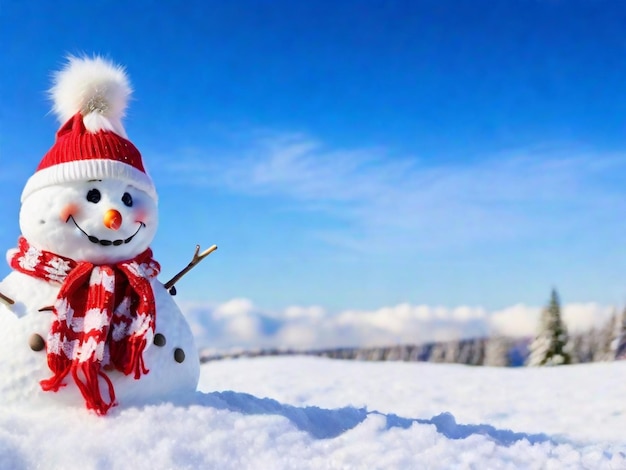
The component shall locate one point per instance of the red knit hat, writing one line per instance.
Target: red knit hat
(90, 97)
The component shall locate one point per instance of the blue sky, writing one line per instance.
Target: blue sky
(355, 155)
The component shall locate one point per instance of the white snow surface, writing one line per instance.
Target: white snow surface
(305, 412)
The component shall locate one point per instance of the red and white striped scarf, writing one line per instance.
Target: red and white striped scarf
(104, 317)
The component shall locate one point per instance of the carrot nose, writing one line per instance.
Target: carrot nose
(112, 219)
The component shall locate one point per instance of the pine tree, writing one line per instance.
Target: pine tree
(582, 346)
(471, 352)
(620, 350)
(497, 352)
(445, 352)
(607, 339)
(549, 346)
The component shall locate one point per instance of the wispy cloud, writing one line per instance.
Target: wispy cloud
(238, 323)
(389, 200)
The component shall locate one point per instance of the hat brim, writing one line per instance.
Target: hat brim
(85, 170)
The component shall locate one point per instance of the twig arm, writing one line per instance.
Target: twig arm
(6, 299)
(197, 257)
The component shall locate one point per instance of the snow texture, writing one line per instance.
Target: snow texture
(300, 413)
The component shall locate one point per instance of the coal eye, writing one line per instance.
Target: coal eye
(127, 199)
(93, 196)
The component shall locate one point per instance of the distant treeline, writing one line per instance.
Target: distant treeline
(497, 351)
(551, 346)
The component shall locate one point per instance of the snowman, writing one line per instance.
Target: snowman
(85, 320)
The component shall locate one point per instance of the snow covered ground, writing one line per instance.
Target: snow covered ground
(303, 412)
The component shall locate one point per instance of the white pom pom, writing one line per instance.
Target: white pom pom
(97, 88)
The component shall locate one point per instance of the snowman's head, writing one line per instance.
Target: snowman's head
(99, 221)
(91, 198)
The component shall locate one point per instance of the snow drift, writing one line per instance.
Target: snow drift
(300, 412)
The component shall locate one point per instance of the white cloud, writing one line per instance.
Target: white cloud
(402, 203)
(581, 317)
(243, 329)
(517, 320)
(233, 308)
(239, 324)
(313, 313)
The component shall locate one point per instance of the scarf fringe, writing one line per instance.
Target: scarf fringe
(90, 387)
(54, 383)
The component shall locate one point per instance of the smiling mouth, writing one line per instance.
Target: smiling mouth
(96, 240)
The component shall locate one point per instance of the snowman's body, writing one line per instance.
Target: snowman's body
(21, 368)
(116, 336)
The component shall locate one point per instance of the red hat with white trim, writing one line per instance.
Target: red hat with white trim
(90, 97)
